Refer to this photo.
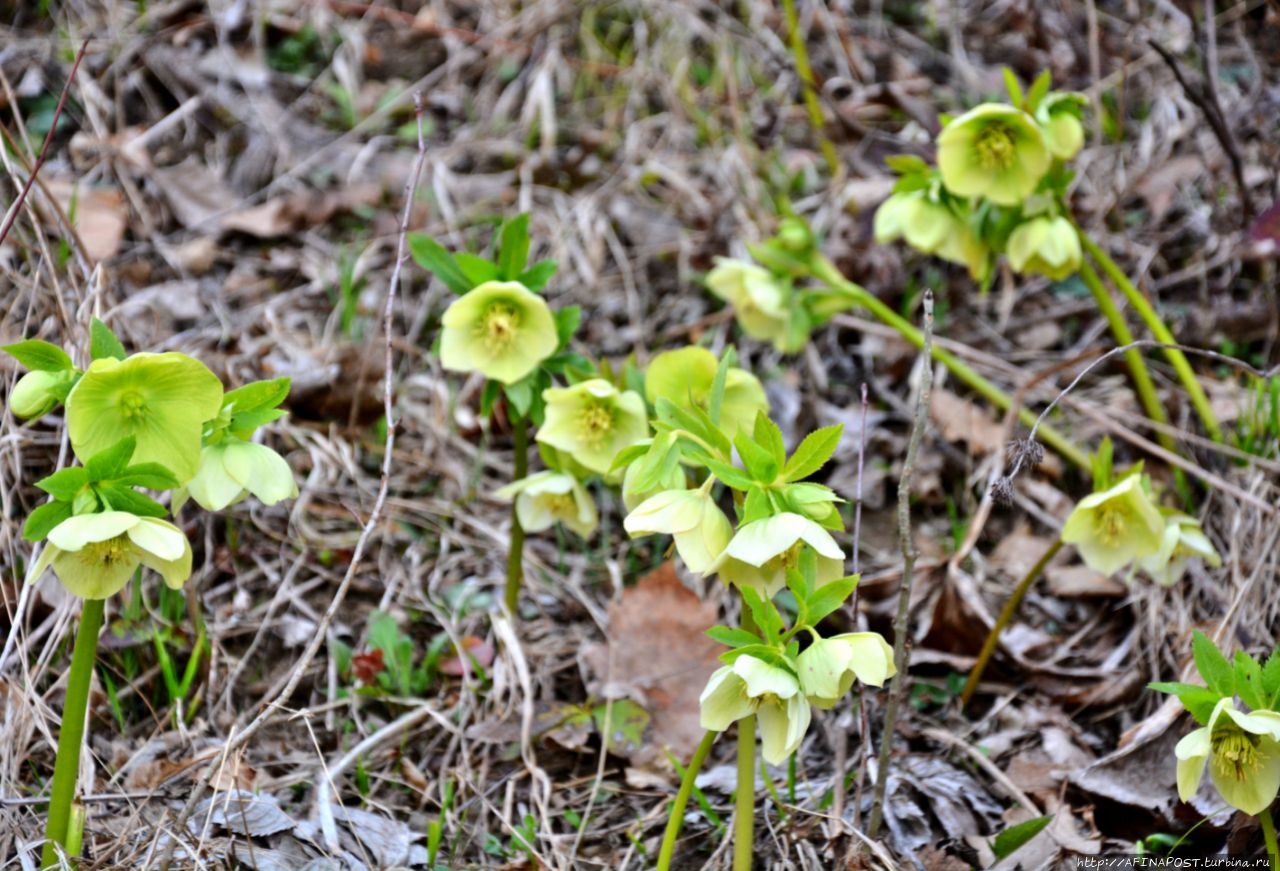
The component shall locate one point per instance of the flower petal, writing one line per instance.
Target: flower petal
(75, 532)
(724, 701)
(260, 470)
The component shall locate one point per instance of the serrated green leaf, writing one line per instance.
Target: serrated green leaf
(765, 613)
(536, 276)
(1271, 677)
(103, 343)
(568, 319)
(152, 476)
(111, 462)
(65, 484)
(1039, 88)
(256, 395)
(728, 475)
(799, 587)
(513, 247)
(433, 257)
(906, 164)
(42, 520)
(812, 453)
(732, 637)
(1014, 837)
(1249, 681)
(1212, 665)
(477, 269)
(243, 426)
(127, 499)
(759, 461)
(1011, 85)
(756, 506)
(768, 436)
(827, 598)
(694, 422)
(39, 356)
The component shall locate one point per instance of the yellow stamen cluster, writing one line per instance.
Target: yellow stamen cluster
(132, 406)
(1109, 525)
(498, 328)
(995, 147)
(596, 421)
(1235, 753)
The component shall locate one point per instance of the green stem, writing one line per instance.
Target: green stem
(811, 103)
(66, 767)
(1158, 330)
(675, 816)
(515, 556)
(824, 270)
(744, 803)
(1269, 833)
(1006, 614)
(1137, 366)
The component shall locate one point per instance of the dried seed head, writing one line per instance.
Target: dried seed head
(1002, 492)
(1025, 452)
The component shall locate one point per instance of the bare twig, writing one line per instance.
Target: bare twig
(908, 564)
(1205, 96)
(16, 207)
(268, 709)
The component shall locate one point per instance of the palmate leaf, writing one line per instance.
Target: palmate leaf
(732, 637)
(256, 396)
(760, 462)
(436, 259)
(65, 484)
(111, 462)
(812, 453)
(1199, 701)
(768, 436)
(1212, 665)
(536, 276)
(43, 519)
(827, 598)
(1248, 676)
(475, 268)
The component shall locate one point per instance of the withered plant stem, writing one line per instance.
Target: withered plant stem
(900, 654)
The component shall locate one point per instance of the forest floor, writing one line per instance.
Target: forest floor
(227, 180)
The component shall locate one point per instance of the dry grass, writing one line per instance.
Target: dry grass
(237, 164)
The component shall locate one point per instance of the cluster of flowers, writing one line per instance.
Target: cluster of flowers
(1121, 526)
(157, 422)
(998, 187)
(1240, 748)
(683, 422)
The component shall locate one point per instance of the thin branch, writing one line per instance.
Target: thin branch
(268, 709)
(900, 653)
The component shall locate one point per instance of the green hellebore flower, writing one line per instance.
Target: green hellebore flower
(692, 517)
(931, 227)
(232, 469)
(593, 421)
(1047, 246)
(1183, 540)
(1115, 527)
(33, 397)
(545, 498)
(1059, 118)
(685, 377)
(994, 151)
(761, 302)
(828, 666)
(1242, 751)
(500, 329)
(162, 400)
(753, 686)
(94, 555)
(761, 551)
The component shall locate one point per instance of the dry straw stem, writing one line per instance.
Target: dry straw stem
(321, 634)
(900, 654)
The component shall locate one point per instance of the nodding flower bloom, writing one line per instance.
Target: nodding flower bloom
(500, 329)
(700, 528)
(828, 666)
(1242, 752)
(772, 693)
(592, 422)
(1183, 541)
(761, 551)
(1047, 246)
(993, 151)
(686, 376)
(931, 227)
(232, 469)
(761, 301)
(1059, 118)
(1115, 527)
(33, 396)
(546, 498)
(162, 400)
(94, 555)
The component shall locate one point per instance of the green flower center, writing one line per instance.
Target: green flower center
(1109, 525)
(498, 328)
(132, 406)
(1235, 753)
(108, 553)
(996, 148)
(595, 424)
(561, 505)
